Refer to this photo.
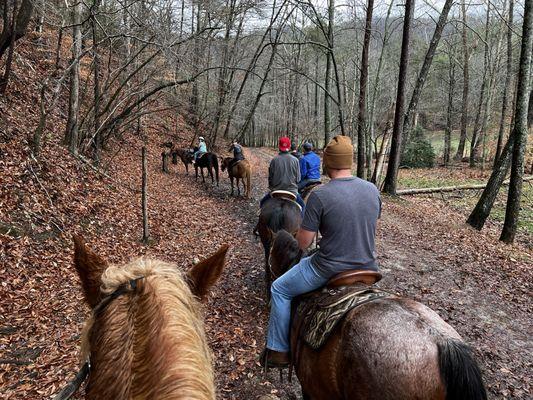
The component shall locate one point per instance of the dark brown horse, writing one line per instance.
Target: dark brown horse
(186, 156)
(209, 161)
(276, 214)
(240, 171)
(145, 337)
(392, 348)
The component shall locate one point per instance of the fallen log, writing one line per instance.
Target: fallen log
(443, 189)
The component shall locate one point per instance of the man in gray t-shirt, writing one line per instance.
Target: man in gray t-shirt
(345, 211)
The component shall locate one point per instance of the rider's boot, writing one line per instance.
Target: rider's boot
(274, 359)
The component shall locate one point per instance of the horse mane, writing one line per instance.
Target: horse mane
(149, 342)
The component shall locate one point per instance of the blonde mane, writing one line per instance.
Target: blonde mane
(149, 342)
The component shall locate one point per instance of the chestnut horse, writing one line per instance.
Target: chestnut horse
(145, 338)
(276, 214)
(387, 349)
(241, 170)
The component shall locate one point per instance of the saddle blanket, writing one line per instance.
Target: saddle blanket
(319, 313)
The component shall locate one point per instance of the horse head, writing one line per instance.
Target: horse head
(224, 163)
(146, 312)
(284, 254)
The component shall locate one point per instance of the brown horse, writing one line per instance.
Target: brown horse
(186, 156)
(241, 170)
(276, 214)
(390, 348)
(145, 338)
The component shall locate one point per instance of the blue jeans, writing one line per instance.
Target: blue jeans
(301, 278)
(299, 200)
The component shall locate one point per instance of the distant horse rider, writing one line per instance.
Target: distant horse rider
(284, 173)
(202, 149)
(309, 167)
(238, 153)
(345, 210)
(295, 152)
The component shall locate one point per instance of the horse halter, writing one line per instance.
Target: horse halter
(85, 369)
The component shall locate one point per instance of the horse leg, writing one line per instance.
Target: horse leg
(203, 177)
(231, 180)
(210, 169)
(196, 172)
(238, 189)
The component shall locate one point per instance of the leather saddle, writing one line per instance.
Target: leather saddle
(285, 195)
(354, 277)
(316, 314)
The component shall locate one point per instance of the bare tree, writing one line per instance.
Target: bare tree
(361, 118)
(507, 84)
(396, 144)
(464, 106)
(520, 130)
(71, 133)
(424, 70)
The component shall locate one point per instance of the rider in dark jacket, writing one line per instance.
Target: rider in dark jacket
(238, 153)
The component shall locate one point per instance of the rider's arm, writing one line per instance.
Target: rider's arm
(305, 238)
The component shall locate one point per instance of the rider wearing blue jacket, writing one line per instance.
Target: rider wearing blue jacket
(309, 167)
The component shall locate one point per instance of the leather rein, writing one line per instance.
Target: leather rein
(85, 369)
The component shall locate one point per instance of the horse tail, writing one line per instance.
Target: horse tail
(460, 372)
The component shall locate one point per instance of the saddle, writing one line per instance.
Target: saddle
(286, 195)
(316, 314)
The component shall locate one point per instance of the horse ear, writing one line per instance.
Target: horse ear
(204, 274)
(89, 266)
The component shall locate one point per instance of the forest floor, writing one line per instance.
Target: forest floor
(479, 285)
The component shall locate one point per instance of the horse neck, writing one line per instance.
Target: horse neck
(151, 344)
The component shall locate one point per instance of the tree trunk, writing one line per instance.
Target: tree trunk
(474, 143)
(449, 112)
(14, 32)
(380, 159)
(363, 83)
(508, 77)
(371, 125)
(424, 70)
(396, 144)
(7, 71)
(71, 134)
(464, 115)
(97, 136)
(520, 130)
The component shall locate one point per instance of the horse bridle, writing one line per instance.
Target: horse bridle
(85, 369)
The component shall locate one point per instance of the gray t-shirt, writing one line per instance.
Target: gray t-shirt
(284, 173)
(345, 211)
